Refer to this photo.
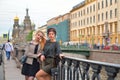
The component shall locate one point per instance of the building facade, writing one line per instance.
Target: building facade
(95, 21)
(61, 24)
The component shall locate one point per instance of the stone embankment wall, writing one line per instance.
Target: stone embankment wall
(105, 56)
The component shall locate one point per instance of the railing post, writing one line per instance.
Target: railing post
(63, 69)
(69, 72)
(85, 71)
(75, 70)
(96, 70)
(111, 72)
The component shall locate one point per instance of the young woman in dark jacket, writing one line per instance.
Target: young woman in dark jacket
(50, 51)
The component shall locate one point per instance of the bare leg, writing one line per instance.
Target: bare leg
(26, 77)
(42, 75)
(31, 78)
(47, 77)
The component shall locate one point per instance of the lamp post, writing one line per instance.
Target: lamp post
(9, 34)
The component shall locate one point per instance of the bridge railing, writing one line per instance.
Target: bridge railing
(81, 69)
(74, 47)
(87, 47)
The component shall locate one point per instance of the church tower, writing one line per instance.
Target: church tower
(15, 32)
(27, 22)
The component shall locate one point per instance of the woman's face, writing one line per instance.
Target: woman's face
(38, 36)
(51, 35)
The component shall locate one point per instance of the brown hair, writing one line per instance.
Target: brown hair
(43, 40)
(51, 29)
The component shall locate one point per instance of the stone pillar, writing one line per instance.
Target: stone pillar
(113, 33)
(113, 28)
(77, 37)
(100, 30)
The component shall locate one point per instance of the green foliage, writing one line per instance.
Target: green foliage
(29, 36)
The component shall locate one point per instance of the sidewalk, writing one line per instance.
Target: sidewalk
(11, 71)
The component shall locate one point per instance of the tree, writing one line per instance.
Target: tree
(29, 36)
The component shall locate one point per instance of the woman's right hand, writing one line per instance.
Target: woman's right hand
(39, 54)
(42, 58)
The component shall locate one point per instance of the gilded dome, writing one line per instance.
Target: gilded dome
(16, 18)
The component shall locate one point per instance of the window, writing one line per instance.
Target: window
(90, 19)
(79, 13)
(102, 16)
(106, 15)
(94, 7)
(87, 20)
(75, 23)
(84, 11)
(84, 21)
(110, 14)
(75, 15)
(115, 12)
(98, 17)
(94, 19)
(106, 3)
(102, 4)
(110, 2)
(98, 6)
(79, 23)
(87, 10)
(90, 9)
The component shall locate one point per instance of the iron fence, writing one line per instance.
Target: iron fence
(81, 69)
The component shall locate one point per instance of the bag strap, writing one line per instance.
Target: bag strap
(10, 46)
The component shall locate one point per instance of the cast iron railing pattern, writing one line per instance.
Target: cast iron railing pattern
(79, 69)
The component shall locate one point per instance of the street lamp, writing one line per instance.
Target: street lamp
(9, 33)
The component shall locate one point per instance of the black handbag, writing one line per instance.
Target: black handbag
(23, 59)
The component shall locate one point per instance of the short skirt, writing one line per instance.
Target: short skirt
(30, 70)
(47, 65)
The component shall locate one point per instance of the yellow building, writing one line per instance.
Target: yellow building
(95, 21)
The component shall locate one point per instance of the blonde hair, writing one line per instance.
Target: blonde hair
(43, 40)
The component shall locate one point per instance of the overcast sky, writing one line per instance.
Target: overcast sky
(40, 11)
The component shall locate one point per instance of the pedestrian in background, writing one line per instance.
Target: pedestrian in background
(8, 49)
(50, 52)
(33, 51)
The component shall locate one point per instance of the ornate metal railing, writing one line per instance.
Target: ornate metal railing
(81, 69)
